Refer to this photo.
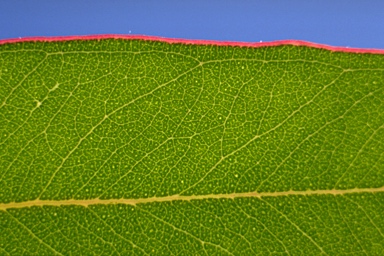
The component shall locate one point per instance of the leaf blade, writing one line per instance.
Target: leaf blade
(175, 127)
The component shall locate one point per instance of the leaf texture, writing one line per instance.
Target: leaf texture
(118, 147)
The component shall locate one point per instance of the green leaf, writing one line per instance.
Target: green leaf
(116, 147)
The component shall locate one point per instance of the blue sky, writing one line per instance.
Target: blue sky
(335, 22)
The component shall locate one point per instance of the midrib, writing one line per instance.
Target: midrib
(95, 201)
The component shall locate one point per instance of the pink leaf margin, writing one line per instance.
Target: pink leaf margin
(192, 41)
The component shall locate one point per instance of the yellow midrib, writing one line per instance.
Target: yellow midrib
(87, 202)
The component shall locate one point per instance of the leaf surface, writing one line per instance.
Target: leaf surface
(115, 146)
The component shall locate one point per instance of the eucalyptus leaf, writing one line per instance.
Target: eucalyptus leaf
(148, 147)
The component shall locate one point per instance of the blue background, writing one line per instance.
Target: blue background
(335, 22)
